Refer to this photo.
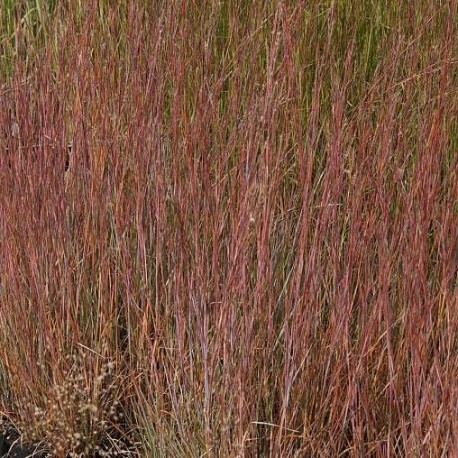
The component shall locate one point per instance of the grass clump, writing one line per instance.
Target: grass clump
(240, 216)
(76, 417)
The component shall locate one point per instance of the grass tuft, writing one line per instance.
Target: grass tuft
(229, 227)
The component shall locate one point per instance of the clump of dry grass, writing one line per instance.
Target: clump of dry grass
(256, 225)
(76, 415)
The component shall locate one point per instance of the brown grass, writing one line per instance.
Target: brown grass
(246, 211)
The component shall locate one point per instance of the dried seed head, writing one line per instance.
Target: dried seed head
(15, 129)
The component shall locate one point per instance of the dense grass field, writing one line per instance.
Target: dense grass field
(229, 228)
